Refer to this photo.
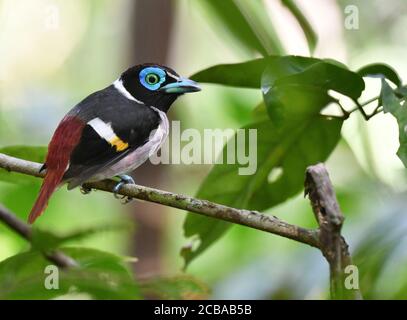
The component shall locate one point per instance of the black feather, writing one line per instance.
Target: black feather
(132, 122)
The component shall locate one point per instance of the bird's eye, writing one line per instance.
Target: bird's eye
(152, 77)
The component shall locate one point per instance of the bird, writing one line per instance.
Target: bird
(112, 131)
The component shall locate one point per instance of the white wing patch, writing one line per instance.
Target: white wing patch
(105, 131)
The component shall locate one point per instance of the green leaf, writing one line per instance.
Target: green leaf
(183, 287)
(293, 87)
(393, 105)
(249, 74)
(284, 66)
(324, 75)
(402, 91)
(245, 74)
(288, 149)
(327, 74)
(100, 274)
(292, 102)
(31, 153)
(309, 32)
(259, 113)
(248, 22)
(380, 70)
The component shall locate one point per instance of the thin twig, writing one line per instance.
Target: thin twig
(360, 108)
(252, 219)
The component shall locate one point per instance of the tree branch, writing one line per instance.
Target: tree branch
(317, 185)
(252, 219)
(24, 230)
(333, 246)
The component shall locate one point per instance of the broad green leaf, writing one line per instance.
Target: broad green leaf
(249, 74)
(181, 287)
(309, 32)
(286, 149)
(248, 22)
(100, 274)
(32, 153)
(263, 73)
(294, 86)
(259, 113)
(326, 76)
(393, 105)
(294, 102)
(380, 70)
(245, 74)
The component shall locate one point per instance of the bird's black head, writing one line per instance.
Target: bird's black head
(156, 85)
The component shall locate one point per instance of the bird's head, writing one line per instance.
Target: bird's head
(156, 85)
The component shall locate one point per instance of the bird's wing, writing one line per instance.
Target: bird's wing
(60, 148)
(115, 126)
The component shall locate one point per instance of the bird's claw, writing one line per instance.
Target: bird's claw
(124, 179)
(85, 190)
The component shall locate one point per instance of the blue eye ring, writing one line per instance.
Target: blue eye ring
(152, 77)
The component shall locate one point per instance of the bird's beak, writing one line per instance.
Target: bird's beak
(183, 85)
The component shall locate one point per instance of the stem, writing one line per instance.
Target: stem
(360, 108)
(377, 110)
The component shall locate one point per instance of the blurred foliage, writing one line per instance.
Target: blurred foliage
(100, 274)
(248, 22)
(183, 287)
(44, 240)
(295, 129)
(306, 27)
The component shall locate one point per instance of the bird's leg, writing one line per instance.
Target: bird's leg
(85, 190)
(124, 179)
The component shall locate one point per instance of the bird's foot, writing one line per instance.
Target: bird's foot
(124, 179)
(85, 190)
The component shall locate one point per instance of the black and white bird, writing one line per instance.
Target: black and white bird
(112, 131)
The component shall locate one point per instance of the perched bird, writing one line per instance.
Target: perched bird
(112, 131)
